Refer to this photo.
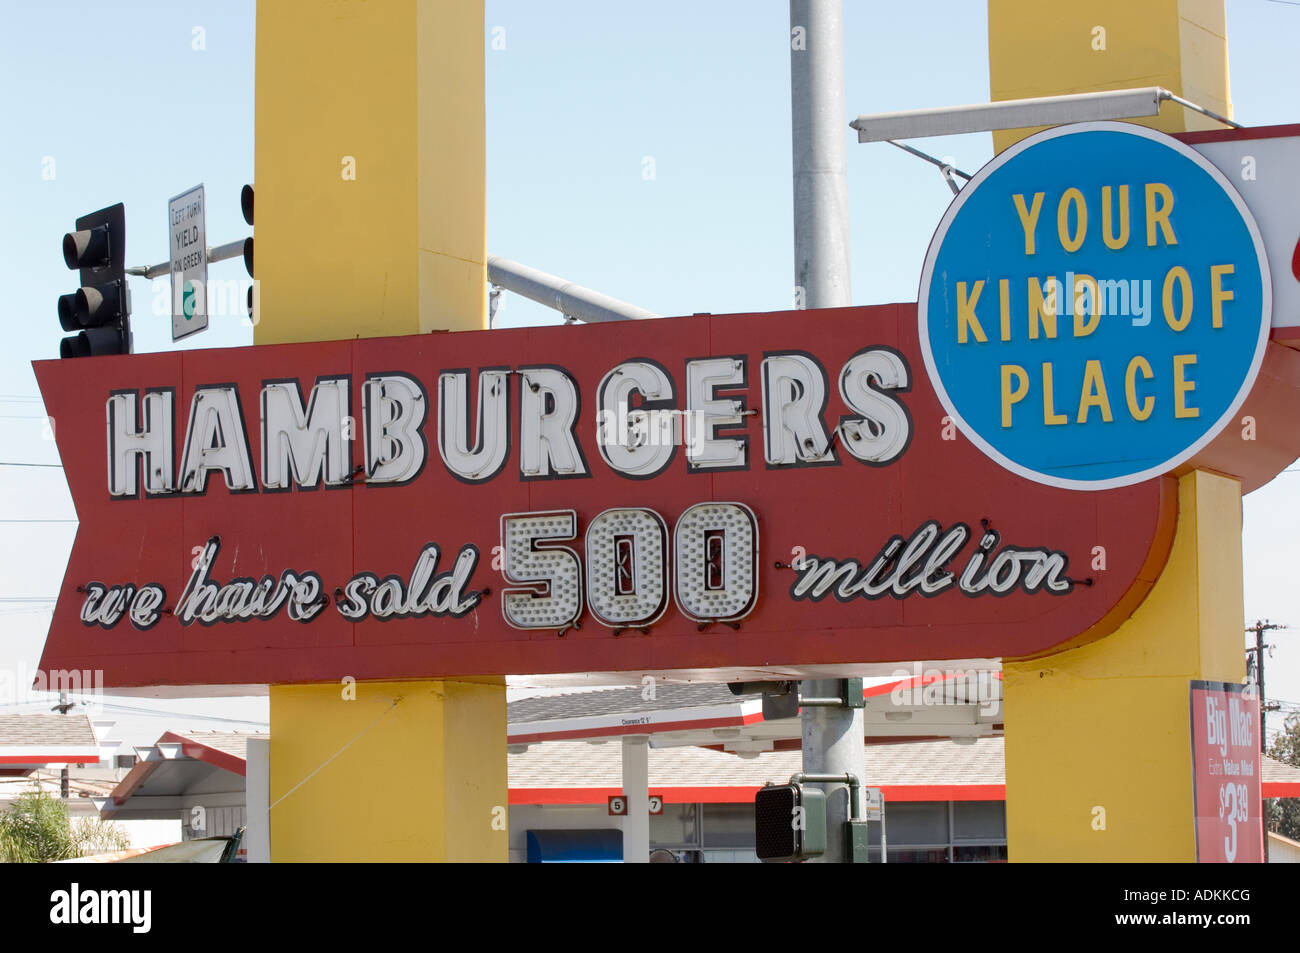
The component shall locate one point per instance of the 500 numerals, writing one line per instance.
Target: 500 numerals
(710, 568)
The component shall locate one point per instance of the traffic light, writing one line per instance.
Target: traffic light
(246, 206)
(98, 314)
(789, 823)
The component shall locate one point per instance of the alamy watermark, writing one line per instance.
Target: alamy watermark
(1100, 297)
(224, 297)
(930, 687)
(21, 685)
(635, 428)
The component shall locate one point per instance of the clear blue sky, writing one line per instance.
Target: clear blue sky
(582, 93)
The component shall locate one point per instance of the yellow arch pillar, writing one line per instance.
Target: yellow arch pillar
(1098, 743)
(1098, 749)
(1050, 49)
(370, 219)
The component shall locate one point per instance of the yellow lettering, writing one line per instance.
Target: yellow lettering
(1070, 242)
(1108, 235)
(1182, 386)
(1094, 393)
(1218, 294)
(1050, 417)
(1004, 292)
(966, 313)
(1177, 273)
(1159, 216)
(1010, 396)
(1028, 218)
(1138, 363)
(1042, 308)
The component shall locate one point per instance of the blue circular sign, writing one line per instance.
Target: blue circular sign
(1095, 305)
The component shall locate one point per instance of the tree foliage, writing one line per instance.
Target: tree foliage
(94, 835)
(37, 830)
(1284, 813)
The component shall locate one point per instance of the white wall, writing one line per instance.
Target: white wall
(151, 833)
(1282, 850)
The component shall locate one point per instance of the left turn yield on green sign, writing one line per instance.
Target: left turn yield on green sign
(186, 226)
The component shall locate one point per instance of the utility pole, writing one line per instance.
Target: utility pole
(1255, 663)
(832, 736)
(819, 133)
(63, 707)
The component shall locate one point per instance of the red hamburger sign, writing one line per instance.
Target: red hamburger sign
(745, 490)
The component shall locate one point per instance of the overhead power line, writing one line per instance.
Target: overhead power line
(150, 712)
(164, 713)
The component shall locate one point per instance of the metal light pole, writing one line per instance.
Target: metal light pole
(832, 737)
(820, 139)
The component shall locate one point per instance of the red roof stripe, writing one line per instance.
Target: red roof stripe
(651, 729)
(201, 752)
(85, 757)
(137, 776)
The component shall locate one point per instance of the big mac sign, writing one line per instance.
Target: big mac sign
(984, 475)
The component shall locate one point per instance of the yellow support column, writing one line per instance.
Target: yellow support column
(370, 177)
(1050, 49)
(420, 782)
(370, 169)
(1098, 756)
(1098, 744)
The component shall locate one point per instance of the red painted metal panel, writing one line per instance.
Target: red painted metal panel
(844, 510)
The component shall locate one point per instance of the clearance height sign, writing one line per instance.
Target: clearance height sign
(1095, 306)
